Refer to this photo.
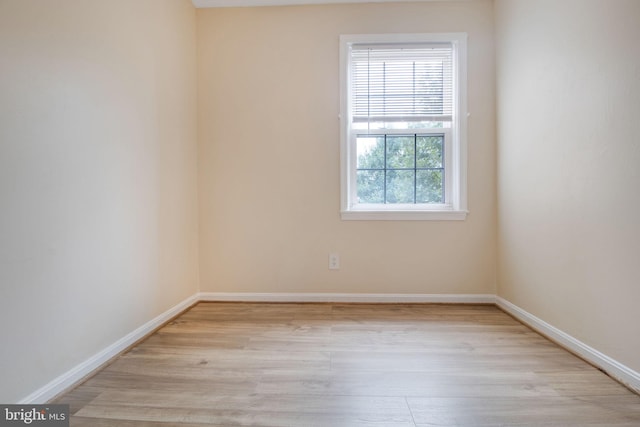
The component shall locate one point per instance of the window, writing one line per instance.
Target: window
(403, 119)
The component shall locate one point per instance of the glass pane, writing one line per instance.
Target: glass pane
(400, 186)
(425, 124)
(368, 125)
(430, 186)
(370, 152)
(400, 152)
(370, 186)
(429, 153)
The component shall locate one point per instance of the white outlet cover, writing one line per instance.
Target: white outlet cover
(334, 261)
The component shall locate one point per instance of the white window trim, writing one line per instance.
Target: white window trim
(456, 168)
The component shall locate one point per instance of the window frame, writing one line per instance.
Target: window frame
(455, 206)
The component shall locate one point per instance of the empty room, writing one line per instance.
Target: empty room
(319, 213)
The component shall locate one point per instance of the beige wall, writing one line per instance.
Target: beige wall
(269, 157)
(98, 224)
(568, 132)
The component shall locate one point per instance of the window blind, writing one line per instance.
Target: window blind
(402, 83)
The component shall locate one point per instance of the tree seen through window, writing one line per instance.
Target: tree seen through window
(400, 169)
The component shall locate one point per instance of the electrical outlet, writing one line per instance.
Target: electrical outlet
(334, 261)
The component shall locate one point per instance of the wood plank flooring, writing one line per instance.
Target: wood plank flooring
(246, 364)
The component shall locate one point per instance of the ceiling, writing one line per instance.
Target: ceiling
(246, 3)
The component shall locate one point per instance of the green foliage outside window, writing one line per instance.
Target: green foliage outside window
(400, 169)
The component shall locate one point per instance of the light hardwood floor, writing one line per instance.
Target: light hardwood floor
(229, 364)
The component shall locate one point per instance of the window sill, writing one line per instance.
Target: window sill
(388, 215)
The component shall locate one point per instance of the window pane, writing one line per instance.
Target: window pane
(430, 186)
(400, 152)
(400, 186)
(370, 186)
(429, 153)
(370, 152)
(416, 124)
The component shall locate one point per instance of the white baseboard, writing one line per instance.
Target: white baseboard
(98, 360)
(620, 372)
(337, 297)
